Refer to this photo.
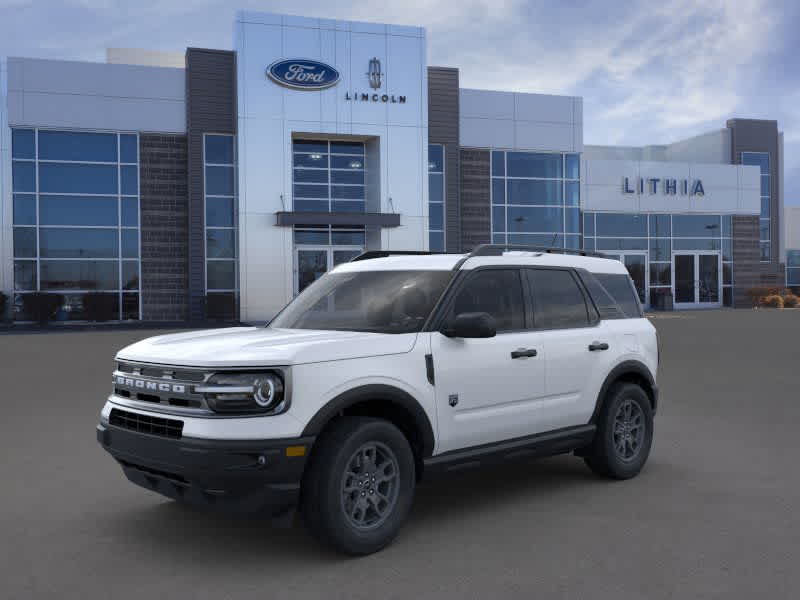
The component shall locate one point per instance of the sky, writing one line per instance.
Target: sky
(650, 72)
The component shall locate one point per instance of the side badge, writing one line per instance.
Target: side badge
(453, 399)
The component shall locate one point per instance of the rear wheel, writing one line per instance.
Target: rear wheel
(359, 485)
(624, 433)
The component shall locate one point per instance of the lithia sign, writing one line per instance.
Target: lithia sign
(306, 74)
(667, 186)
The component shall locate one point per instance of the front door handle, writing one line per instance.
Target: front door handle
(523, 353)
(594, 346)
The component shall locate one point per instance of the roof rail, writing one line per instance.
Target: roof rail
(369, 254)
(498, 249)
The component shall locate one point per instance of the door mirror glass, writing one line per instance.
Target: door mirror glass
(471, 325)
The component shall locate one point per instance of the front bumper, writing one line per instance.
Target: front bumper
(241, 476)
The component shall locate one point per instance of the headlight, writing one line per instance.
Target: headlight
(244, 393)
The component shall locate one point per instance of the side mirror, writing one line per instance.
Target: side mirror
(471, 325)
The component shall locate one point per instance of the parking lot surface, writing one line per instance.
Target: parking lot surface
(713, 515)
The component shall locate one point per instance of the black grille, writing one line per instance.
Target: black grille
(170, 428)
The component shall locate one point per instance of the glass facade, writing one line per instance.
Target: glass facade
(328, 176)
(793, 270)
(657, 237)
(761, 160)
(436, 197)
(219, 159)
(76, 219)
(536, 198)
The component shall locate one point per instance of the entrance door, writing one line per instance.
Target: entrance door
(636, 263)
(696, 279)
(311, 263)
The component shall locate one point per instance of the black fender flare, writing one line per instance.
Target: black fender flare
(625, 368)
(386, 393)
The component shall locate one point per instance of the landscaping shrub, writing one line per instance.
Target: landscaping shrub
(773, 301)
(790, 301)
(98, 306)
(41, 306)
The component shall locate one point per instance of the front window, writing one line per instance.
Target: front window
(371, 301)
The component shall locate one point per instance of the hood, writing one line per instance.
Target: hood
(261, 346)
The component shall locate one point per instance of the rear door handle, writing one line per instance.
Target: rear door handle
(523, 353)
(598, 346)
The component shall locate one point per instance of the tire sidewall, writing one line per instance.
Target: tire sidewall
(617, 467)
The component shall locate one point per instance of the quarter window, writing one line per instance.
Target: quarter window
(558, 301)
(497, 292)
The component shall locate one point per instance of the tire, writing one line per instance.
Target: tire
(624, 433)
(338, 509)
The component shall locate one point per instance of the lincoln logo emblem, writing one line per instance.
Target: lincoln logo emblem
(374, 74)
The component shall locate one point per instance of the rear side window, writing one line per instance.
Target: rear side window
(497, 292)
(620, 288)
(558, 301)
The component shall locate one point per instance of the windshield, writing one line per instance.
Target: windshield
(373, 301)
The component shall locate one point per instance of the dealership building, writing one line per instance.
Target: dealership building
(218, 184)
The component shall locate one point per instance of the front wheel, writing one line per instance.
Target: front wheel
(624, 433)
(359, 485)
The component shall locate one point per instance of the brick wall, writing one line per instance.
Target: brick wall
(165, 231)
(476, 216)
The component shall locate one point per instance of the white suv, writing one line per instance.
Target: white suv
(386, 369)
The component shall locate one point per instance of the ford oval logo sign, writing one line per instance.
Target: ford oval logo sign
(303, 74)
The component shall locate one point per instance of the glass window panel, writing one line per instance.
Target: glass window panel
(23, 176)
(311, 205)
(695, 244)
(354, 177)
(498, 218)
(130, 212)
(727, 273)
(660, 274)
(77, 179)
(727, 297)
(759, 159)
(436, 187)
(219, 149)
(621, 243)
(221, 274)
(130, 243)
(56, 242)
(23, 143)
(311, 175)
(588, 224)
(765, 208)
(436, 216)
(77, 145)
(130, 307)
(79, 275)
(315, 160)
(346, 162)
(25, 275)
(219, 212)
(572, 242)
(573, 166)
(347, 148)
(310, 191)
(660, 226)
(555, 240)
(77, 210)
(793, 258)
(763, 229)
(727, 226)
(793, 277)
(696, 225)
(527, 191)
(558, 301)
(312, 237)
(348, 205)
(525, 219)
(129, 180)
(766, 251)
(219, 181)
(572, 220)
(435, 158)
(436, 241)
(589, 244)
(498, 163)
(572, 190)
(623, 225)
(498, 191)
(25, 242)
(765, 185)
(347, 192)
(348, 238)
(531, 164)
(310, 146)
(128, 148)
(498, 238)
(24, 209)
(660, 249)
(220, 243)
(497, 292)
(130, 274)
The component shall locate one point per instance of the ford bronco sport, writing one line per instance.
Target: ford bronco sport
(386, 369)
